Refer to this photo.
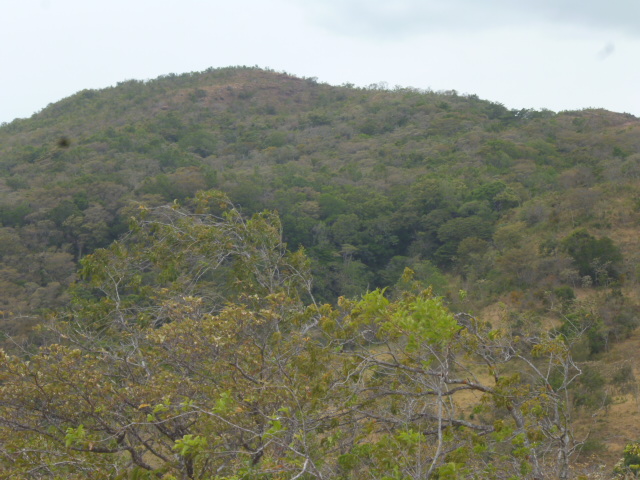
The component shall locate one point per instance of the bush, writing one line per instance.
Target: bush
(629, 464)
(598, 258)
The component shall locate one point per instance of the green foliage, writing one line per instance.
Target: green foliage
(14, 215)
(498, 194)
(150, 374)
(74, 436)
(629, 464)
(590, 392)
(565, 293)
(190, 445)
(341, 165)
(598, 258)
(624, 378)
(369, 182)
(425, 319)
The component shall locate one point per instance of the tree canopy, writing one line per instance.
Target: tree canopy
(194, 350)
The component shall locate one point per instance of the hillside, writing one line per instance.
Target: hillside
(367, 180)
(533, 214)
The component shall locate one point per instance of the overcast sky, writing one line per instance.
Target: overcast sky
(555, 54)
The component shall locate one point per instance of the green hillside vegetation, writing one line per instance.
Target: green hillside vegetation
(532, 214)
(193, 349)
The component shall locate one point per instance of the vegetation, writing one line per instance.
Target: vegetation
(532, 214)
(150, 376)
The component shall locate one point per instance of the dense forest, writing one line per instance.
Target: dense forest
(239, 273)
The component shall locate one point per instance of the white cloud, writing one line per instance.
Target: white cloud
(402, 18)
(523, 53)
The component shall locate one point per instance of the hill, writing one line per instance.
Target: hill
(367, 180)
(533, 214)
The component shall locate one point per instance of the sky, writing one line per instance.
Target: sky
(553, 54)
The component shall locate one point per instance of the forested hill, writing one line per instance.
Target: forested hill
(530, 207)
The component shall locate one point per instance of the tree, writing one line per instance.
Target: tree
(598, 258)
(194, 350)
(429, 394)
(144, 376)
